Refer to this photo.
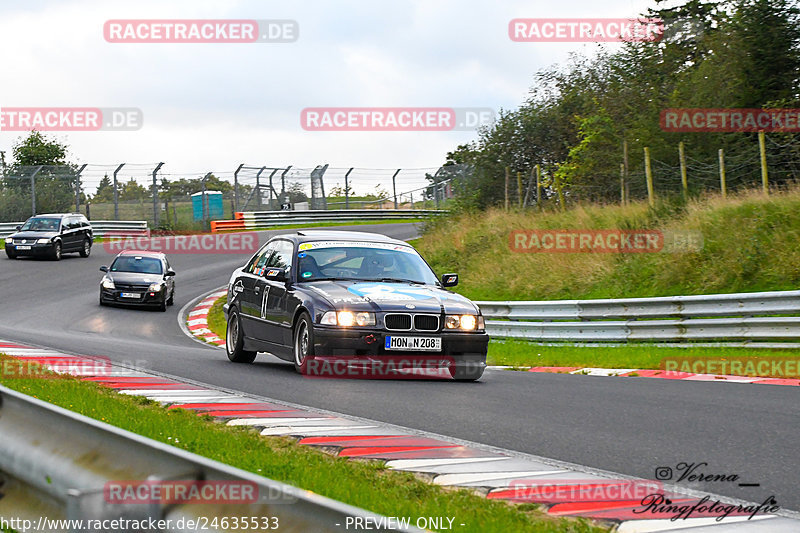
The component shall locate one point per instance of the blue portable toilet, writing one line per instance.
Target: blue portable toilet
(214, 205)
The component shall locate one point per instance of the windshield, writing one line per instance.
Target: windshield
(141, 265)
(41, 224)
(362, 262)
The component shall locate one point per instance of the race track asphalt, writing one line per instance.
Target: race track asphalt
(626, 425)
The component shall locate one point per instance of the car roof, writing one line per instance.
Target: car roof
(144, 253)
(353, 236)
(58, 215)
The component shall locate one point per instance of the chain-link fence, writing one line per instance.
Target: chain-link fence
(188, 200)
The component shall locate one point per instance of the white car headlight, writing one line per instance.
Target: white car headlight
(42, 241)
(463, 322)
(9, 241)
(107, 283)
(348, 318)
(155, 287)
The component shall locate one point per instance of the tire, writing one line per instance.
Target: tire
(11, 255)
(162, 306)
(303, 345)
(234, 341)
(171, 299)
(87, 248)
(472, 372)
(102, 303)
(56, 255)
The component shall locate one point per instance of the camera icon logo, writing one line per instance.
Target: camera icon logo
(663, 473)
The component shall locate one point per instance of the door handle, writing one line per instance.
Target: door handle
(257, 289)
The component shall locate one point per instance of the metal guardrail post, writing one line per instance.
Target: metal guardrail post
(33, 190)
(155, 196)
(116, 192)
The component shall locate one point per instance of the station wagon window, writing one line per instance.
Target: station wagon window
(259, 261)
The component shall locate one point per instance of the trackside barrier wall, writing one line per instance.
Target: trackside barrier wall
(715, 317)
(68, 458)
(263, 219)
(100, 228)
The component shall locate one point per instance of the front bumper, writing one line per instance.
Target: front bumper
(114, 296)
(333, 341)
(32, 249)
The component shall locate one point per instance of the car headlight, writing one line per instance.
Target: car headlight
(463, 322)
(155, 287)
(9, 241)
(348, 318)
(43, 241)
(107, 283)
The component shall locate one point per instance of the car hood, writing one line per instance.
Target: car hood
(378, 296)
(135, 278)
(33, 235)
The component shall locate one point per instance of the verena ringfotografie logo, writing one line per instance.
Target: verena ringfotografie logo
(575, 30)
(395, 118)
(201, 31)
(70, 118)
(730, 120)
(217, 243)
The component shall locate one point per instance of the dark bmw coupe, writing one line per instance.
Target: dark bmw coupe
(340, 295)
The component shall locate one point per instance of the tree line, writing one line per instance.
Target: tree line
(585, 118)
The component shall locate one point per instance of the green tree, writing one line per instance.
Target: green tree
(105, 191)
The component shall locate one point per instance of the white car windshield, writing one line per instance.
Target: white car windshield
(362, 262)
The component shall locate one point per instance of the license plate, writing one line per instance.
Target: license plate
(23, 247)
(419, 344)
(129, 295)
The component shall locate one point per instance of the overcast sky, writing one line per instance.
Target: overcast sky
(209, 107)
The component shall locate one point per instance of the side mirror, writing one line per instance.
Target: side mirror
(169, 273)
(19, 227)
(276, 274)
(103, 268)
(449, 280)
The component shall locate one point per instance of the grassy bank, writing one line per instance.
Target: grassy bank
(365, 484)
(750, 243)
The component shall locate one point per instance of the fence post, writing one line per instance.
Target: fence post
(622, 183)
(347, 189)
(684, 180)
(648, 172)
(508, 171)
(204, 197)
(33, 190)
(561, 202)
(116, 192)
(722, 185)
(412, 200)
(762, 148)
(155, 196)
(283, 184)
(78, 189)
(519, 189)
(236, 188)
(394, 186)
(539, 187)
(258, 188)
(627, 173)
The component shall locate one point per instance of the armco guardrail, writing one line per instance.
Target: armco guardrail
(60, 462)
(265, 219)
(716, 317)
(101, 228)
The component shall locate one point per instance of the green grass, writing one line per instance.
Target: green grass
(216, 318)
(749, 244)
(524, 354)
(367, 484)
